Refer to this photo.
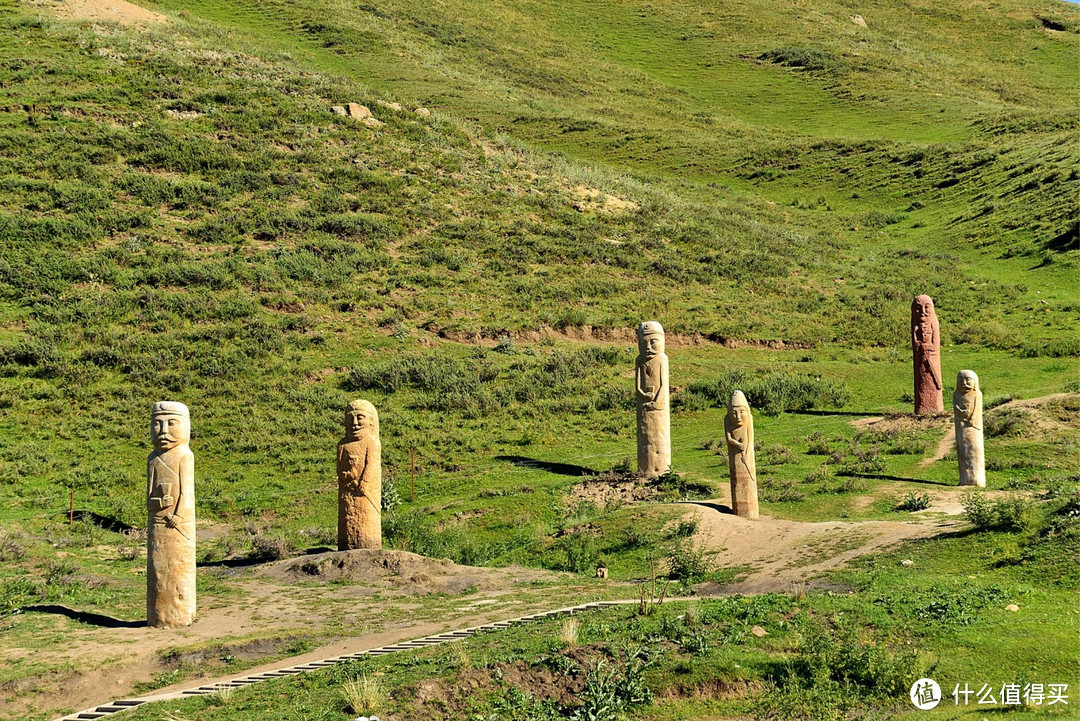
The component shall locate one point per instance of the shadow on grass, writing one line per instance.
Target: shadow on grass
(94, 619)
(106, 522)
(886, 477)
(562, 469)
(855, 414)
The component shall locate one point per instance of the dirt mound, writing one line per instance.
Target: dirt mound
(899, 423)
(616, 489)
(400, 571)
(117, 11)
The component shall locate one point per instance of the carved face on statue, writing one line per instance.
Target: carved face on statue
(170, 425)
(361, 419)
(967, 381)
(650, 339)
(739, 410)
(922, 308)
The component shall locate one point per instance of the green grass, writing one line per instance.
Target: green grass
(747, 175)
(890, 625)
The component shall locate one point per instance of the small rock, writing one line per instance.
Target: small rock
(423, 112)
(601, 572)
(907, 562)
(339, 110)
(1012, 607)
(358, 111)
(373, 123)
(183, 114)
(759, 631)
(396, 107)
(858, 20)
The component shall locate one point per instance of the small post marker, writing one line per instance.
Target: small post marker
(71, 509)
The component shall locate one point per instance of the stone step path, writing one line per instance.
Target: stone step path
(114, 707)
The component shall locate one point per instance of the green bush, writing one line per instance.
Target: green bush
(1014, 514)
(1053, 348)
(770, 392)
(833, 670)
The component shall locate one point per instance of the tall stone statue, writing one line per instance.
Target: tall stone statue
(359, 470)
(170, 529)
(968, 423)
(653, 408)
(739, 432)
(926, 352)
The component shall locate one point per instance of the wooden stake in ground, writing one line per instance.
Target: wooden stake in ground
(71, 510)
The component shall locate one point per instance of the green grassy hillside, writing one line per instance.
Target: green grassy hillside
(183, 216)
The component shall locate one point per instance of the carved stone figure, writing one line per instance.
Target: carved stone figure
(926, 352)
(653, 408)
(742, 466)
(968, 423)
(170, 529)
(359, 470)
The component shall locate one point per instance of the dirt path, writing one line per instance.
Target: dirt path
(118, 11)
(949, 440)
(784, 554)
(943, 447)
(366, 597)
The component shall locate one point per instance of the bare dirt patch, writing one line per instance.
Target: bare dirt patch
(117, 11)
(616, 489)
(785, 553)
(397, 572)
(599, 334)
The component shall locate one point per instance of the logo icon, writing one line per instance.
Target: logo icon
(925, 694)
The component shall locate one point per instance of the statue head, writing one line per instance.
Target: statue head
(739, 409)
(967, 381)
(361, 419)
(650, 338)
(922, 308)
(170, 425)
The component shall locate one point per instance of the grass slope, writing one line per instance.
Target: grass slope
(183, 216)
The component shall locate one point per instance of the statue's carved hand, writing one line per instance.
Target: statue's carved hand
(171, 522)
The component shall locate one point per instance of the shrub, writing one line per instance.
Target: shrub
(833, 671)
(688, 562)
(806, 59)
(771, 392)
(1013, 514)
(776, 454)
(568, 634)
(390, 499)
(1007, 422)
(913, 502)
(684, 528)
(774, 490)
(1056, 348)
(271, 547)
(364, 695)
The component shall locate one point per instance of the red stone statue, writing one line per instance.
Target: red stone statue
(926, 352)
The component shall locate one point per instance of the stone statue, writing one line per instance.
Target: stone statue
(359, 470)
(170, 529)
(968, 422)
(653, 409)
(739, 432)
(926, 351)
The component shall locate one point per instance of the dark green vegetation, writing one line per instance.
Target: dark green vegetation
(182, 216)
(825, 655)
